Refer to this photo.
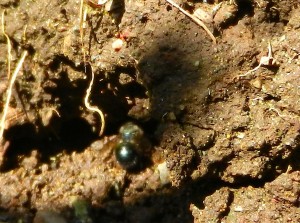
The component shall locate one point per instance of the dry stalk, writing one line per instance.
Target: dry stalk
(82, 18)
(94, 108)
(195, 19)
(264, 61)
(99, 4)
(8, 45)
(9, 92)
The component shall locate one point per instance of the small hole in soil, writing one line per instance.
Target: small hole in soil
(61, 135)
(30, 49)
(169, 8)
(245, 7)
(22, 139)
(76, 133)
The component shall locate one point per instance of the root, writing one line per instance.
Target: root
(9, 92)
(94, 108)
(267, 61)
(82, 17)
(8, 45)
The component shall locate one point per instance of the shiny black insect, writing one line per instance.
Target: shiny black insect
(128, 148)
(127, 155)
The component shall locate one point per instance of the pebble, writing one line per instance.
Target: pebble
(48, 216)
(117, 44)
(164, 174)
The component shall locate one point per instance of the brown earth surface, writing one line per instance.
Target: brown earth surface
(224, 139)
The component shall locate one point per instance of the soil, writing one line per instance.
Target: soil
(224, 139)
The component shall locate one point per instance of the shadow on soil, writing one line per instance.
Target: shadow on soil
(165, 71)
(73, 129)
(162, 69)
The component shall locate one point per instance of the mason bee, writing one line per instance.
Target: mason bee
(130, 146)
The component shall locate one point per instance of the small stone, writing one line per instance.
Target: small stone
(240, 135)
(169, 116)
(44, 167)
(48, 216)
(197, 63)
(257, 83)
(117, 44)
(29, 163)
(97, 145)
(81, 209)
(164, 174)
(238, 209)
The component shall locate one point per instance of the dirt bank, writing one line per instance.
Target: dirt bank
(222, 119)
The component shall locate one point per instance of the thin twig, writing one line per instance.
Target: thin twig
(94, 108)
(195, 19)
(9, 92)
(81, 20)
(8, 45)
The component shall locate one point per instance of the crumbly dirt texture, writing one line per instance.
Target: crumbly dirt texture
(224, 139)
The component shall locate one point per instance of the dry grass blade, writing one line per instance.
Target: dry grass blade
(9, 92)
(195, 19)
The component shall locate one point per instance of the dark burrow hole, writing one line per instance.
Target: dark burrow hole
(20, 141)
(72, 135)
(72, 129)
(244, 8)
(59, 59)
